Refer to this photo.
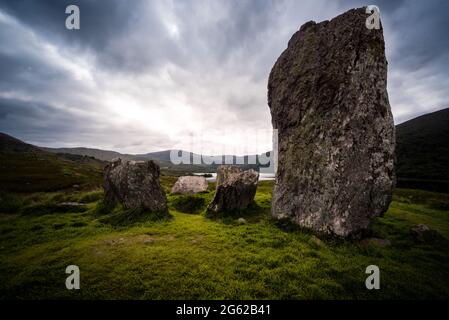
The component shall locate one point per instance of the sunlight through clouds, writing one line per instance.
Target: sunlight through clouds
(160, 72)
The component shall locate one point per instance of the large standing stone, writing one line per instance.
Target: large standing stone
(235, 189)
(328, 99)
(190, 185)
(135, 184)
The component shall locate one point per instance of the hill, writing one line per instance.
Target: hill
(104, 155)
(10, 144)
(26, 168)
(422, 148)
(161, 157)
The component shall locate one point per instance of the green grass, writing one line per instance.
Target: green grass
(191, 256)
(188, 204)
(36, 171)
(120, 217)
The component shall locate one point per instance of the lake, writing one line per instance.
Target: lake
(262, 176)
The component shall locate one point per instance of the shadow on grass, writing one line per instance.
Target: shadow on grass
(289, 226)
(119, 217)
(253, 213)
(398, 231)
(188, 204)
(50, 208)
(10, 203)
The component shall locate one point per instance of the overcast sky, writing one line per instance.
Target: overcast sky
(142, 76)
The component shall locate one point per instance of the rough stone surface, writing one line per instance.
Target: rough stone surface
(135, 184)
(190, 185)
(235, 189)
(336, 138)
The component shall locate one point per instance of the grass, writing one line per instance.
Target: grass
(36, 171)
(191, 256)
(188, 204)
(120, 217)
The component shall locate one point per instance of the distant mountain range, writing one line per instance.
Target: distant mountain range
(422, 148)
(161, 157)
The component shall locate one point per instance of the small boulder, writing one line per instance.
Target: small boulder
(135, 184)
(241, 221)
(314, 240)
(190, 185)
(235, 189)
(148, 240)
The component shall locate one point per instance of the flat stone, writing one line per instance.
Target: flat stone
(190, 185)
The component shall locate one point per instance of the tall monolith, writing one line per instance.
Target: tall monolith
(328, 99)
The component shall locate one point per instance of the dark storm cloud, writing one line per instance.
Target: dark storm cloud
(29, 74)
(124, 36)
(39, 121)
(143, 59)
(236, 24)
(107, 24)
(48, 17)
(133, 37)
(424, 32)
(421, 27)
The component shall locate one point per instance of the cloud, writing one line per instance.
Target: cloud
(47, 125)
(143, 76)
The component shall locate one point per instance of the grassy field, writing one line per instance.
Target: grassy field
(192, 256)
(41, 171)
